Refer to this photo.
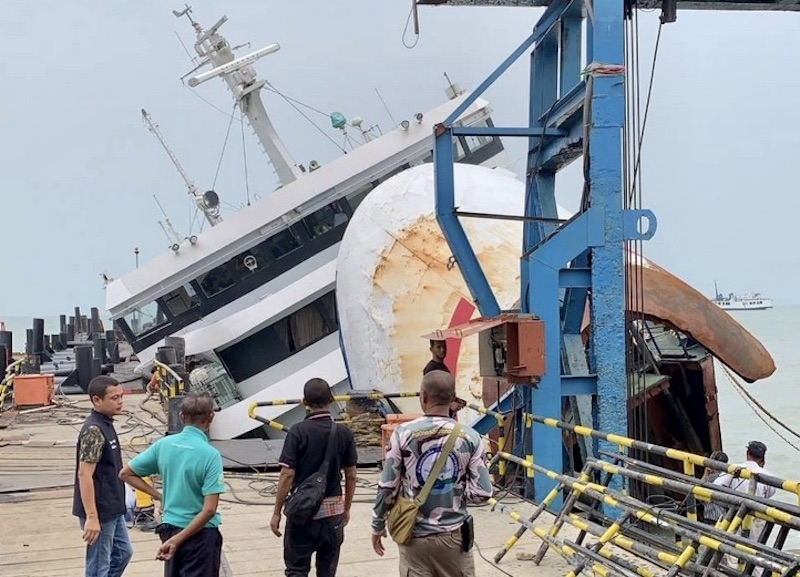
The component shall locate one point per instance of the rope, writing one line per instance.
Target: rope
(405, 30)
(292, 102)
(751, 401)
(224, 145)
(647, 102)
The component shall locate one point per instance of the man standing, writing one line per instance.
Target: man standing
(438, 353)
(192, 479)
(755, 454)
(439, 547)
(303, 453)
(712, 511)
(99, 495)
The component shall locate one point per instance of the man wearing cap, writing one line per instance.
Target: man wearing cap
(754, 460)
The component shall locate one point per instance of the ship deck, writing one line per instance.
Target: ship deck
(40, 538)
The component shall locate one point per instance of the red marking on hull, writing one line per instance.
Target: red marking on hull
(461, 314)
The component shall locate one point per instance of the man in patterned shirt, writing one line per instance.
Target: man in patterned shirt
(99, 495)
(437, 547)
(303, 453)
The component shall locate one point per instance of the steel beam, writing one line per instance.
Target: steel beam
(606, 177)
(586, 252)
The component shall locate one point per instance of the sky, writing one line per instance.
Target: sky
(80, 170)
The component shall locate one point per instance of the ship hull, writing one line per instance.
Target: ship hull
(396, 282)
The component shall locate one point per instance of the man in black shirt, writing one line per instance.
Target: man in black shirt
(303, 453)
(438, 353)
(99, 495)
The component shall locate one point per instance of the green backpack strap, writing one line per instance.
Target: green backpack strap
(439, 465)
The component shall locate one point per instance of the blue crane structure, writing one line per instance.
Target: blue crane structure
(575, 109)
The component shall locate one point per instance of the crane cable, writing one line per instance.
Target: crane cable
(755, 406)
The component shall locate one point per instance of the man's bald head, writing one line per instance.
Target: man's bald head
(439, 387)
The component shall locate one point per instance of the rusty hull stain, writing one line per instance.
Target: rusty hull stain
(414, 274)
(669, 299)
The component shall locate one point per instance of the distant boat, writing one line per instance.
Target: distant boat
(745, 302)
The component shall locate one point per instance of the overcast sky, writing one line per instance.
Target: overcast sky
(79, 170)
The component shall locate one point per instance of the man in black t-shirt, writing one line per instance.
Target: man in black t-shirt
(303, 453)
(438, 353)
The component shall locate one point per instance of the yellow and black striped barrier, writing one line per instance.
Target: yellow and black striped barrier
(170, 383)
(674, 454)
(251, 410)
(340, 398)
(570, 551)
(703, 492)
(691, 532)
(7, 383)
(501, 431)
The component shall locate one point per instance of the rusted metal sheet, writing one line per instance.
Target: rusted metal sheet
(712, 408)
(472, 327)
(667, 298)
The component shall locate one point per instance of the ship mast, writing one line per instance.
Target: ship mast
(208, 202)
(240, 77)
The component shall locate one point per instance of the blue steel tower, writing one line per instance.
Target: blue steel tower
(575, 109)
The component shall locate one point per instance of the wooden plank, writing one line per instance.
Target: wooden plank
(7, 418)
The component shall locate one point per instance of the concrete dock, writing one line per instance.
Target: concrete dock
(40, 538)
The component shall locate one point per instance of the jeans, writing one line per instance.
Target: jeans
(321, 536)
(112, 551)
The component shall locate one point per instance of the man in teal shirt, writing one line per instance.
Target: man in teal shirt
(192, 480)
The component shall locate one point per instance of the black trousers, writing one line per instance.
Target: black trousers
(198, 556)
(323, 537)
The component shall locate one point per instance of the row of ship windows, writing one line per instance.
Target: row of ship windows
(282, 339)
(252, 262)
(217, 372)
(256, 260)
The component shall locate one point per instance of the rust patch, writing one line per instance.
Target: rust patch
(414, 274)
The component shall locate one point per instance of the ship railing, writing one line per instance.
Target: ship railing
(7, 384)
(666, 535)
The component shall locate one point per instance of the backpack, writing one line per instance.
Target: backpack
(306, 500)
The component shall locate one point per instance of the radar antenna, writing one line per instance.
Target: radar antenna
(208, 202)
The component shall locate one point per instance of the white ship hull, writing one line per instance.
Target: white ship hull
(253, 296)
(745, 304)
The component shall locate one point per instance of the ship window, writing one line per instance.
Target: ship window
(355, 198)
(422, 160)
(181, 300)
(282, 339)
(282, 243)
(477, 142)
(458, 149)
(146, 318)
(217, 279)
(325, 219)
